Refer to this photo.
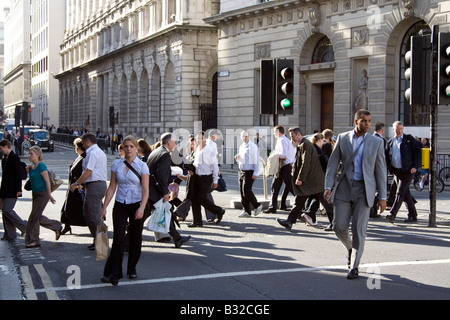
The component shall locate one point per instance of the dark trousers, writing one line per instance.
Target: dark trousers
(202, 187)
(313, 205)
(299, 205)
(11, 220)
(245, 187)
(283, 176)
(121, 214)
(403, 180)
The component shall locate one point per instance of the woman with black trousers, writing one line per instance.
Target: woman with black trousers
(130, 179)
(10, 190)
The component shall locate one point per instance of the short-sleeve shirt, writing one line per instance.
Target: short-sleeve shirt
(95, 161)
(37, 182)
(129, 188)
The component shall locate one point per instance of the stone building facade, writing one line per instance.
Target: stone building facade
(153, 61)
(348, 54)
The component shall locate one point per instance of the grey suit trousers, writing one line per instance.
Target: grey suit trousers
(357, 212)
(93, 202)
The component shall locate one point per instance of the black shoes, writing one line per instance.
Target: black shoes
(270, 210)
(285, 223)
(195, 225)
(114, 282)
(390, 218)
(220, 216)
(352, 274)
(182, 240)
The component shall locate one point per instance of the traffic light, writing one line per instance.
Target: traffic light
(419, 72)
(266, 87)
(443, 85)
(284, 86)
(111, 117)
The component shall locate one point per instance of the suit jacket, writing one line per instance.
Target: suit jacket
(307, 169)
(373, 167)
(11, 182)
(410, 152)
(159, 166)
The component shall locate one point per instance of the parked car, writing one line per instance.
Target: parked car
(42, 139)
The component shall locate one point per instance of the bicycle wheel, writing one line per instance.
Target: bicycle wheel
(439, 185)
(444, 174)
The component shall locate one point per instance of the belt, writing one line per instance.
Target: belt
(86, 183)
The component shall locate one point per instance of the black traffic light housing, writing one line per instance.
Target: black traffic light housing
(419, 72)
(111, 117)
(267, 99)
(284, 86)
(443, 87)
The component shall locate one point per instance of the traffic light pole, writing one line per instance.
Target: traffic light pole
(433, 117)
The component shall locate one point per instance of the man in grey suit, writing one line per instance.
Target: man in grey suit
(363, 172)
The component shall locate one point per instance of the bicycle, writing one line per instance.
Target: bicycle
(444, 174)
(420, 182)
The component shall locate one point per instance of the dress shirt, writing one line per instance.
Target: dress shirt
(396, 156)
(249, 157)
(205, 163)
(285, 149)
(213, 146)
(95, 161)
(358, 173)
(129, 188)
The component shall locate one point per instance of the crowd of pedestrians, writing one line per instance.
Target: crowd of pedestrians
(346, 176)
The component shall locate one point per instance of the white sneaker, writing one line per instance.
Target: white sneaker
(258, 210)
(244, 214)
(421, 184)
(309, 220)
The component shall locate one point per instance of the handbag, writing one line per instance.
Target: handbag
(101, 242)
(343, 172)
(27, 185)
(221, 185)
(55, 181)
(159, 221)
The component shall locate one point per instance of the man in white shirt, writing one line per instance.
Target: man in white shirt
(94, 178)
(206, 173)
(286, 152)
(248, 160)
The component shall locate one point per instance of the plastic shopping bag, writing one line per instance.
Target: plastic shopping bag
(159, 221)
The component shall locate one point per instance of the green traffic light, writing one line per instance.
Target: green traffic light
(285, 103)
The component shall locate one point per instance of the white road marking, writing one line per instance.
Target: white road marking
(245, 273)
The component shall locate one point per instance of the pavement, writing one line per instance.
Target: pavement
(12, 287)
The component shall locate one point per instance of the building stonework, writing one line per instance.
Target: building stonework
(153, 61)
(347, 54)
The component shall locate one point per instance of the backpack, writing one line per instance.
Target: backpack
(23, 174)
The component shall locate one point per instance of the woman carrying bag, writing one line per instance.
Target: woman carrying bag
(129, 180)
(41, 194)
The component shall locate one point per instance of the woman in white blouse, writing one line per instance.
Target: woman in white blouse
(129, 181)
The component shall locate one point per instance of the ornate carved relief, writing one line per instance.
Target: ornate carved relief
(262, 51)
(360, 37)
(314, 17)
